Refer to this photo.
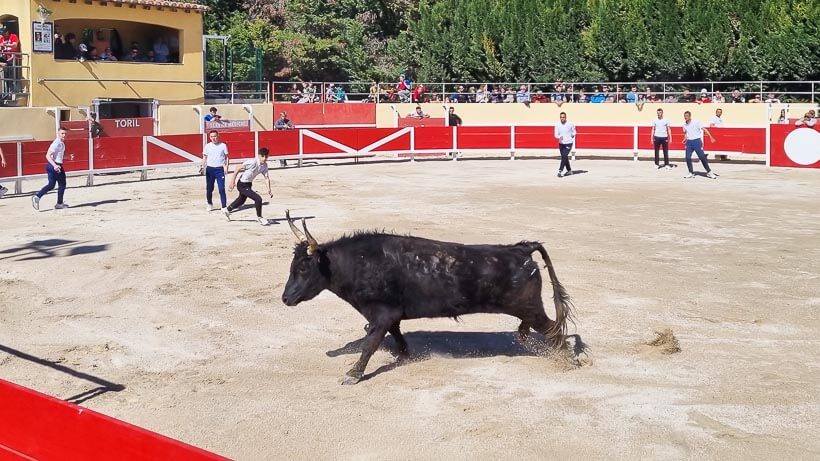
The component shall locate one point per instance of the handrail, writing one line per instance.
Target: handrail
(125, 81)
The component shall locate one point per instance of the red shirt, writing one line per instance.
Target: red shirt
(10, 44)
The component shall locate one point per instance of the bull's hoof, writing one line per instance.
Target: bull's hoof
(348, 380)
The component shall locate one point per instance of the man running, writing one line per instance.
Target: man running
(565, 134)
(250, 169)
(215, 163)
(693, 138)
(55, 172)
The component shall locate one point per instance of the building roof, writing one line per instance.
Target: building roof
(190, 5)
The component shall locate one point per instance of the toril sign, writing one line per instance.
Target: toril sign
(127, 123)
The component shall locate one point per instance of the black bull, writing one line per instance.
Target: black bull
(389, 278)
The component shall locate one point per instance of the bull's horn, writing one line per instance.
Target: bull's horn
(313, 245)
(299, 235)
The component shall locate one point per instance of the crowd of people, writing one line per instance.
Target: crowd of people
(106, 45)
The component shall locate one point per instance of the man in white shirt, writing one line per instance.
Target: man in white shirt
(250, 169)
(215, 163)
(717, 121)
(565, 134)
(693, 138)
(661, 137)
(808, 120)
(55, 172)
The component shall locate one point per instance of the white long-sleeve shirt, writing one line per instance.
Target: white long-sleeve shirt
(565, 133)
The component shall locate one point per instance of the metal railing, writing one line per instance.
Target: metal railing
(15, 80)
(237, 92)
(578, 92)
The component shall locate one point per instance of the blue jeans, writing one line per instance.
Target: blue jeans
(696, 145)
(54, 178)
(564, 149)
(215, 174)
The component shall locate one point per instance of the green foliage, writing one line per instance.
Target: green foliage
(523, 40)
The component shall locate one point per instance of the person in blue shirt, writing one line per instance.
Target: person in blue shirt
(632, 96)
(213, 116)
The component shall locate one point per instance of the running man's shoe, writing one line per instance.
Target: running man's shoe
(209, 207)
(711, 175)
(60, 206)
(568, 173)
(262, 221)
(227, 213)
(689, 176)
(560, 175)
(667, 167)
(35, 202)
(3, 191)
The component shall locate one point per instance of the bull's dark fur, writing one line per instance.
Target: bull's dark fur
(389, 278)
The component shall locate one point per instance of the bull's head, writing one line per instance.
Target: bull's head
(308, 269)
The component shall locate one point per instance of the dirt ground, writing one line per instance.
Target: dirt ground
(136, 285)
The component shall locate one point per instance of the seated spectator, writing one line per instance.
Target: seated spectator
(497, 96)
(308, 93)
(341, 95)
(92, 54)
(330, 93)
(686, 96)
(161, 51)
(782, 119)
(717, 119)
(757, 99)
(509, 95)
(737, 97)
(704, 96)
(808, 120)
(419, 114)
(540, 97)
(213, 116)
(283, 122)
(771, 99)
(482, 95)
(100, 43)
(597, 97)
(295, 94)
(133, 56)
(107, 55)
(717, 97)
(582, 97)
(373, 94)
(459, 96)
(403, 88)
(632, 96)
(150, 56)
(68, 49)
(522, 95)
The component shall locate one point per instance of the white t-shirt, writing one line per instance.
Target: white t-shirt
(58, 149)
(565, 132)
(694, 130)
(253, 167)
(716, 121)
(215, 154)
(661, 126)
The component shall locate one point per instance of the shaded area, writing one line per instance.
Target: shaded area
(41, 249)
(101, 202)
(103, 385)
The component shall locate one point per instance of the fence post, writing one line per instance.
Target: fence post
(412, 144)
(144, 174)
(455, 143)
(90, 181)
(512, 142)
(768, 144)
(18, 183)
(301, 146)
(635, 143)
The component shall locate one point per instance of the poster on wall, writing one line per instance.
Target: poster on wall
(43, 33)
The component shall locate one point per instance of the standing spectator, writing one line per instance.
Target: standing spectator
(661, 137)
(161, 51)
(717, 120)
(737, 97)
(565, 134)
(452, 118)
(807, 121)
(215, 161)
(10, 44)
(373, 95)
(55, 172)
(95, 130)
(250, 169)
(782, 118)
(693, 132)
(718, 98)
(403, 88)
(213, 116)
(67, 49)
(283, 122)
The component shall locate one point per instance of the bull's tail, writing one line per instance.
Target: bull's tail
(563, 304)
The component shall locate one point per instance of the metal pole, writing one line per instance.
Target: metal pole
(90, 181)
(18, 184)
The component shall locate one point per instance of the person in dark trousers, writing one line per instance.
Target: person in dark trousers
(565, 134)
(661, 137)
(452, 118)
(55, 172)
(215, 164)
(250, 169)
(693, 132)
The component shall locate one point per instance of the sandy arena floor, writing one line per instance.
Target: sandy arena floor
(138, 286)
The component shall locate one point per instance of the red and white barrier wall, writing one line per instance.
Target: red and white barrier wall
(784, 145)
(35, 426)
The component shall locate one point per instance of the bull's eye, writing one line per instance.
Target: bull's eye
(303, 269)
